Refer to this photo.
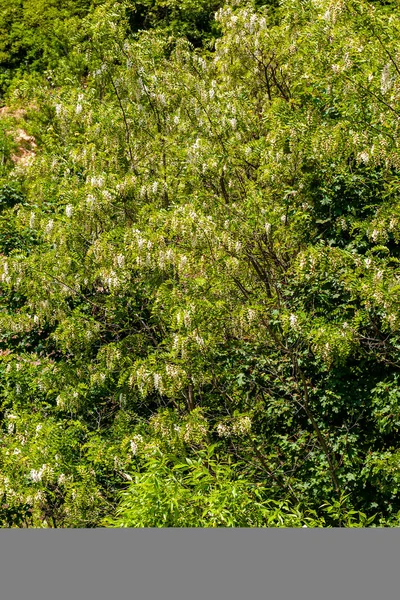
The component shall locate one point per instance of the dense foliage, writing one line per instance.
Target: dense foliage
(199, 237)
(35, 34)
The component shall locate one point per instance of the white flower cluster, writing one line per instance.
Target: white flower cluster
(135, 442)
(245, 18)
(331, 13)
(242, 425)
(161, 98)
(183, 260)
(49, 227)
(5, 275)
(363, 157)
(172, 371)
(200, 61)
(199, 340)
(393, 320)
(223, 430)
(386, 79)
(239, 426)
(166, 257)
(37, 475)
(158, 383)
(143, 379)
(120, 259)
(111, 280)
(294, 322)
(375, 235)
(79, 107)
(97, 181)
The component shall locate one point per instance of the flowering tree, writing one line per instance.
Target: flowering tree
(201, 297)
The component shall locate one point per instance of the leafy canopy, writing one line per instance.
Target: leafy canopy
(199, 272)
